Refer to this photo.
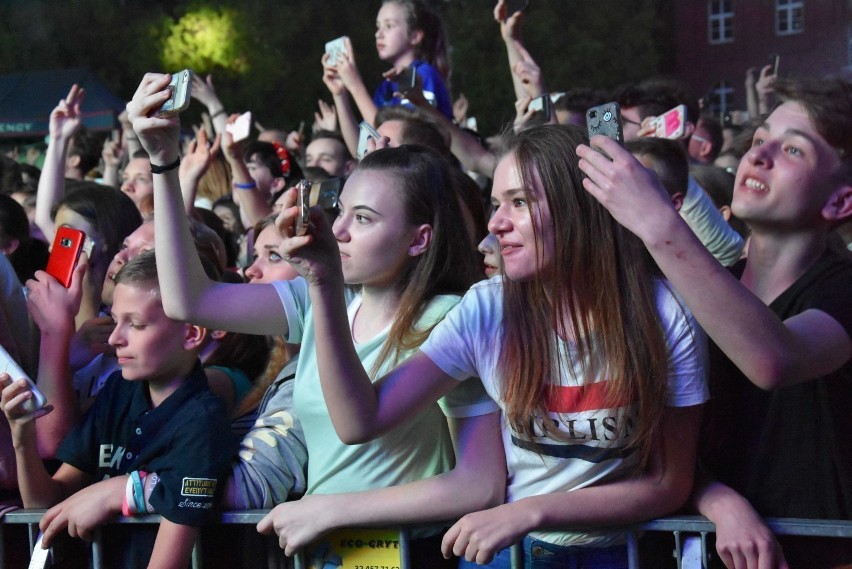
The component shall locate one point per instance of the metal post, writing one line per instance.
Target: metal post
(632, 550)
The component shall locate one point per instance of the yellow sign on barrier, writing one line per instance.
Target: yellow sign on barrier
(356, 549)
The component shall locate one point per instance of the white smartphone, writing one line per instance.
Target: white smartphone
(365, 133)
(671, 124)
(10, 366)
(335, 49)
(241, 127)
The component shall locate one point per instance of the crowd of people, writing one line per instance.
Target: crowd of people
(534, 338)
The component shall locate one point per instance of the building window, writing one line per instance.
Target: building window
(720, 21)
(789, 17)
(721, 98)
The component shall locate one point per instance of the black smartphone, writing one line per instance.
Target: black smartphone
(606, 120)
(407, 79)
(513, 6)
(541, 106)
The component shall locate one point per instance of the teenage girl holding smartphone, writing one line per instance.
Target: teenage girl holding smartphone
(597, 366)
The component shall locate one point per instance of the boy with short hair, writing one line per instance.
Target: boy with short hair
(781, 377)
(156, 415)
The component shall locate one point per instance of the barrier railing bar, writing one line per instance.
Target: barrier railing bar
(675, 524)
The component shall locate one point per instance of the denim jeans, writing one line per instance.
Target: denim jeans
(542, 555)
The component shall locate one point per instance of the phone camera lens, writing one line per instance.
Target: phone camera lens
(593, 114)
(65, 242)
(607, 116)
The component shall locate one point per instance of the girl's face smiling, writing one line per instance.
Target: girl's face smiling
(268, 264)
(394, 42)
(526, 253)
(376, 241)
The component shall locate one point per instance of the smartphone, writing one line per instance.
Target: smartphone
(241, 127)
(335, 49)
(513, 6)
(327, 195)
(671, 124)
(67, 246)
(406, 80)
(774, 62)
(304, 219)
(180, 88)
(10, 366)
(606, 120)
(541, 105)
(365, 133)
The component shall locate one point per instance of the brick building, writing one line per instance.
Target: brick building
(718, 40)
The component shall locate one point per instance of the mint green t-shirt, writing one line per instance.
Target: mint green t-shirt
(417, 449)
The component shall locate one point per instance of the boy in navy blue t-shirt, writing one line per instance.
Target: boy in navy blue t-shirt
(157, 415)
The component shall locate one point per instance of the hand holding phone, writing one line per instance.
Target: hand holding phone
(541, 105)
(336, 49)
(10, 366)
(671, 124)
(406, 79)
(180, 89)
(365, 133)
(240, 128)
(67, 246)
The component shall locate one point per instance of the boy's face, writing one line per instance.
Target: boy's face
(785, 179)
(259, 173)
(149, 345)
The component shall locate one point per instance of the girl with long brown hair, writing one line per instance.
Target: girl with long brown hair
(597, 367)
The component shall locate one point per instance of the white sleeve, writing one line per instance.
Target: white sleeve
(296, 301)
(687, 344)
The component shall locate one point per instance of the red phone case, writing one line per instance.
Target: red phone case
(67, 246)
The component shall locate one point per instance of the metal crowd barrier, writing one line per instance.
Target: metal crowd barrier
(680, 526)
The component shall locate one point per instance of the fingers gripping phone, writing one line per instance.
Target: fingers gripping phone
(10, 366)
(606, 120)
(304, 219)
(541, 106)
(365, 133)
(180, 89)
(67, 246)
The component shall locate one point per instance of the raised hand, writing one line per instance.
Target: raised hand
(157, 134)
(67, 118)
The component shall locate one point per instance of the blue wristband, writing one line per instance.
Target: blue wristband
(138, 492)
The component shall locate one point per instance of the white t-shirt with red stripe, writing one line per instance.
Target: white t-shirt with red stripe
(466, 344)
